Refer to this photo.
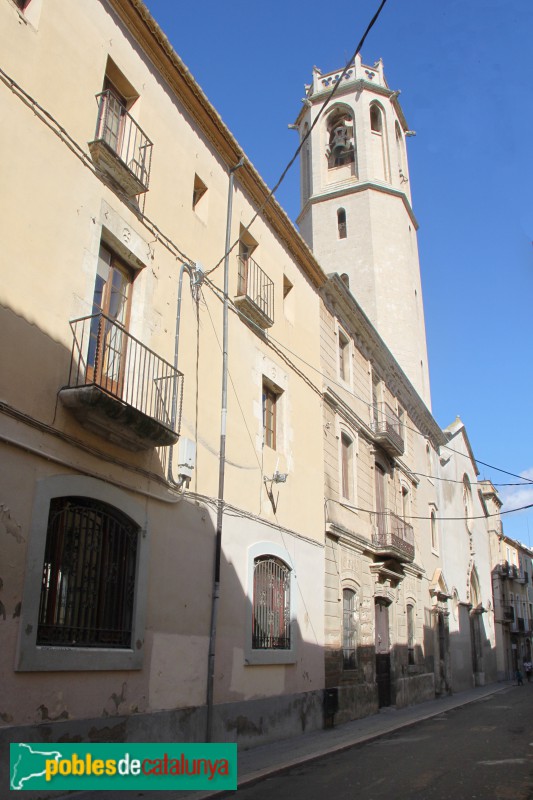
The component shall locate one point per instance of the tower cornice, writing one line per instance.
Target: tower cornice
(361, 186)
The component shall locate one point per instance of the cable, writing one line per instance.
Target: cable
(172, 247)
(305, 138)
(271, 339)
(439, 519)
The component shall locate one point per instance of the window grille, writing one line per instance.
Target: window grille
(349, 629)
(88, 582)
(271, 614)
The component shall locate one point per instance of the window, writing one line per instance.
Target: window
(88, 579)
(379, 154)
(376, 392)
(467, 502)
(349, 628)
(109, 321)
(120, 147)
(341, 224)
(376, 123)
(341, 139)
(271, 626)
(346, 466)
(199, 189)
(381, 507)
(434, 533)
(410, 634)
(405, 503)
(344, 357)
(271, 395)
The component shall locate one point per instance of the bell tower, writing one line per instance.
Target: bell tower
(356, 211)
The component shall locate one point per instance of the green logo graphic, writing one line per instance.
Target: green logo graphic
(123, 766)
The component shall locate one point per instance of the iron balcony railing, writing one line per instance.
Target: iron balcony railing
(393, 532)
(386, 423)
(117, 128)
(105, 355)
(255, 285)
(505, 612)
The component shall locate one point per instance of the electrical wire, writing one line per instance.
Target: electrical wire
(439, 519)
(271, 339)
(307, 135)
(173, 248)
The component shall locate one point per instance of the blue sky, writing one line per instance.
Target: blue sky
(465, 71)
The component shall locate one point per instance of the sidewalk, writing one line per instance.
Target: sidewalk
(270, 759)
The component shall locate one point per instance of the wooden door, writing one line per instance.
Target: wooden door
(111, 306)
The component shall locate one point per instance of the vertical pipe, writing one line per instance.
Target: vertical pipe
(222, 462)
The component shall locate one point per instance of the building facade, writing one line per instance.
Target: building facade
(111, 412)
(168, 570)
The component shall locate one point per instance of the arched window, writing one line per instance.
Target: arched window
(271, 624)
(376, 120)
(88, 579)
(342, 230)
(341, 138)
(410, 634)
(349, 629)
(400, 153)
(434, 535)
(346, 466)
(378, 144)
(467, 502)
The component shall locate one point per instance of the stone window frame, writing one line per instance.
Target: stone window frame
(39, 658)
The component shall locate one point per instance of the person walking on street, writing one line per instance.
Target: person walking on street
(528, 669)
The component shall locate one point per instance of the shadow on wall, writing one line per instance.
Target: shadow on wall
(35, 367)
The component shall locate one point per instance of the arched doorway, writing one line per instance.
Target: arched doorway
(382, 645)
(476, 630)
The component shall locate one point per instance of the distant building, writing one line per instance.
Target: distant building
(511, 582)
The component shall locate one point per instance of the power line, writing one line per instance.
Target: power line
(272, 339)
(439, 519)
(307, 135)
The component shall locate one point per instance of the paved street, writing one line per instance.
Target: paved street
(483, 750)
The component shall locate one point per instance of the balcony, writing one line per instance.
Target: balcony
(120, 148)
(388, 429)
(121, 389)
(504, 613)
(255, 293)
(393, 537)
(502, 569)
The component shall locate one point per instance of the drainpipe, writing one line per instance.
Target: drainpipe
(222, 462)
(196, 276)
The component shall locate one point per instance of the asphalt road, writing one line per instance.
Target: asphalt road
(483, 750)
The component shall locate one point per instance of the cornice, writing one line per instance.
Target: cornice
(355, 188)
(156, 46)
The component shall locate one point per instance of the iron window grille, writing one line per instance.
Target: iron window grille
(271, 605)
(88, 581)
(349, 629)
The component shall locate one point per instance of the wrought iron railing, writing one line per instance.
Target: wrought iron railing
(387, 422)
(104, 354)
(393, 532)
(505, 612)
(117, 128)
(255, 284)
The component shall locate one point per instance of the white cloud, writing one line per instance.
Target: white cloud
(517, 496)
